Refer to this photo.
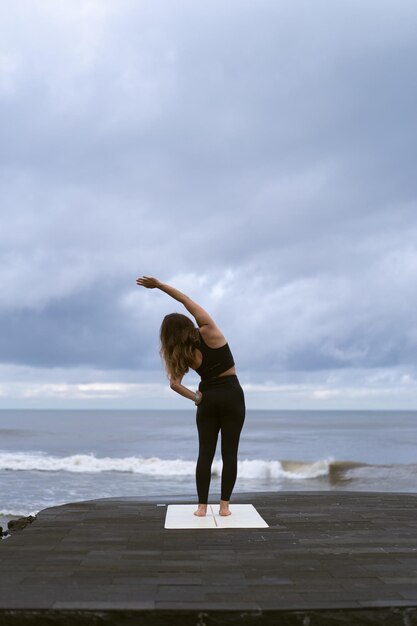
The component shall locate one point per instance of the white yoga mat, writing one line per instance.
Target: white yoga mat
(243, 516)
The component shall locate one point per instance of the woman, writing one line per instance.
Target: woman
(220, 400)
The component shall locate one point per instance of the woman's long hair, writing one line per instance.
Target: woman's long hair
(179, 338)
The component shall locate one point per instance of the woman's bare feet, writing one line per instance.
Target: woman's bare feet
(201, 511)
(224, 508)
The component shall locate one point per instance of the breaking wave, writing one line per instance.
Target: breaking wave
(334, 470)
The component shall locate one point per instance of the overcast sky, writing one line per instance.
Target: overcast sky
(258, 156)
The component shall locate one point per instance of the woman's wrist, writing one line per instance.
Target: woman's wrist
(197, 397)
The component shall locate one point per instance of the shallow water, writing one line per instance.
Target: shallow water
(53, 457)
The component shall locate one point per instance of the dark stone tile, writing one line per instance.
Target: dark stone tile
(207, 605)
(326, 550)
(133, 605)
(180, 593)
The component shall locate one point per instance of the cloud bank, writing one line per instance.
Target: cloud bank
(258, 156)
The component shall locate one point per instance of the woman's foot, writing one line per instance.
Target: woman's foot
(201, 511)
(224, 508)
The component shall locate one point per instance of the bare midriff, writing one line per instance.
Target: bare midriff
(228, 372)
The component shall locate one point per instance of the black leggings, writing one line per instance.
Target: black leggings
(222, 408)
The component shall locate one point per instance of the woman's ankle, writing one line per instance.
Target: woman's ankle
(224, 508)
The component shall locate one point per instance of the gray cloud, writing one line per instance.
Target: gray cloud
(260, 155)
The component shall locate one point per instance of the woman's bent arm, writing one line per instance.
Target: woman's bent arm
(175, 384)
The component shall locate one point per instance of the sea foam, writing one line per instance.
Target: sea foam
(87, 463)
(335, 471)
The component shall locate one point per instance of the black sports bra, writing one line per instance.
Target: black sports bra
(215, 360)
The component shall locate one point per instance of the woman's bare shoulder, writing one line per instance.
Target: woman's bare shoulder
(212, 335)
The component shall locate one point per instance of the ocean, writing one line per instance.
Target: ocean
(50, 457)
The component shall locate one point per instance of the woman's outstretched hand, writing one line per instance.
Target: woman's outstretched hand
(148, 281)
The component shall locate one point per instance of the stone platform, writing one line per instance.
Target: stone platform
(326, 558)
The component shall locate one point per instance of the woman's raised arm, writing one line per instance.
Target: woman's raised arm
(201, 316)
